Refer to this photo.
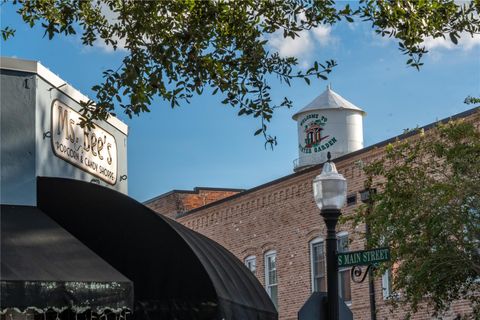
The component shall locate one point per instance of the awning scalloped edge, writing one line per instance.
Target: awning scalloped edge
(74, 309)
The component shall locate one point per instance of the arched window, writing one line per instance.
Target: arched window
(251, 263)
(271, 284)
(317, 264)
(344, 285)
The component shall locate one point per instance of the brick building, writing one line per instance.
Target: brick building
(276, 229)
(176, 202)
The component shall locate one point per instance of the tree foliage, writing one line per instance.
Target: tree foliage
(177, 49)
(427, 210)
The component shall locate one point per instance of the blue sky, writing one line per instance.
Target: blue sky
(204, 143)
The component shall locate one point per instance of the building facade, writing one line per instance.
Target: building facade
(40, 135)
(73, 243)
(277, 230)
(46, 272)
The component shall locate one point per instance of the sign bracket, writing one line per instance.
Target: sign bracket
(356, 273)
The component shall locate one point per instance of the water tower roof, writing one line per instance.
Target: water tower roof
(328, 100)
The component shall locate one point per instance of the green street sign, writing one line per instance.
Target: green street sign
(364, 257)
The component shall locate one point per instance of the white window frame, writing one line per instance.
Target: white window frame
(248, 262)
(268, 285)
(387, 284)
(312, 275)
(347, 302)
(387, 292)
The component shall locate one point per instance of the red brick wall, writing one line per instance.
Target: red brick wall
(282, 216)
(180, 201)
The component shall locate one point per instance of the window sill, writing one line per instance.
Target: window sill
(393, 297)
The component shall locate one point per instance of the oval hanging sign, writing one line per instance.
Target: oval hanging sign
(92, 150)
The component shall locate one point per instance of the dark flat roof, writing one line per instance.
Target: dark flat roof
(195, 190)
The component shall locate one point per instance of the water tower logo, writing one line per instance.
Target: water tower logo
(314, 137)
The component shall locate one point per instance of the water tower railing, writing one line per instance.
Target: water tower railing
(299, 162)
(308, 161)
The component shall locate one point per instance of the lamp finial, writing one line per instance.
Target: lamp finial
(329, 157)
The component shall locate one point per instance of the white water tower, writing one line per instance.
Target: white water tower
(327, 124)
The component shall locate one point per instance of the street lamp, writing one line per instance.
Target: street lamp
(330, 191)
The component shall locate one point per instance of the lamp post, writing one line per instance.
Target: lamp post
(330, 191)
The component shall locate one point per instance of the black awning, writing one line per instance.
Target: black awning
(240, 294)
(175, 270)
(43, 267)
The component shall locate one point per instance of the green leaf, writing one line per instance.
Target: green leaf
(453, 37)
(223, 44)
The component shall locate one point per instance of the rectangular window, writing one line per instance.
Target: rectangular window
(271, 276)
(344, 273)
(387, 285)
(387, 292)
(251, 263)
(351, 199)
(317, 265)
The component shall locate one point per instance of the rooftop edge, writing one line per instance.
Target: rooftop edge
(318, 167)
(32, 66)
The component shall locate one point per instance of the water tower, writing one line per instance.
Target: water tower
(329, 123)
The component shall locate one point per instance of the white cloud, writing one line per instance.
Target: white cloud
(431, 43)
(112, 17)
(323, 35)
(354, 25)
(287, 47)
(303, 46)
(99, 43)
(466, 42)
